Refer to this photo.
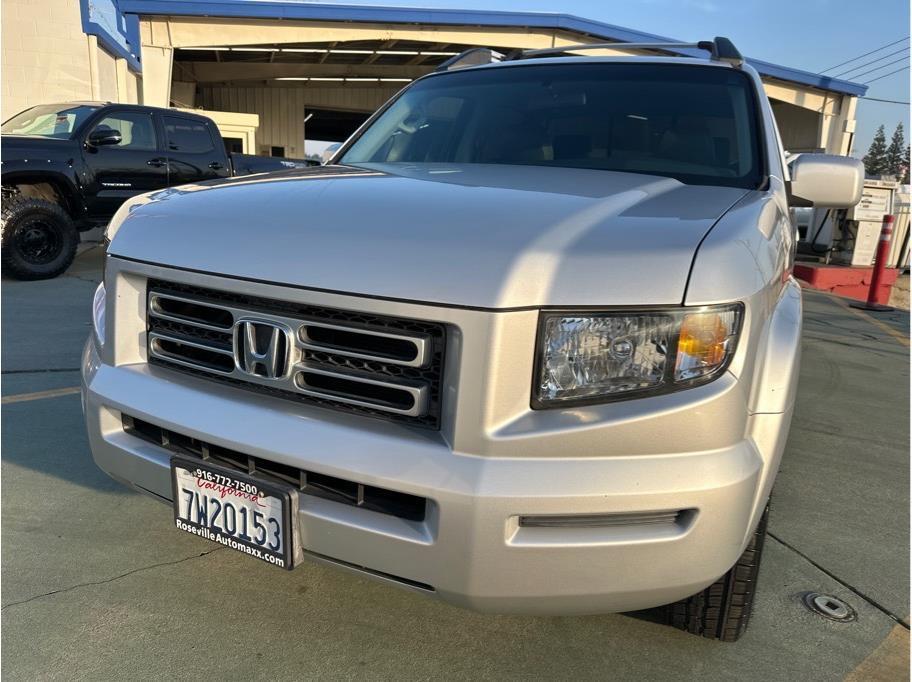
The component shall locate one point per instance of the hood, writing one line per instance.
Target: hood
(468, 235)
(19, 146)
(31, 140)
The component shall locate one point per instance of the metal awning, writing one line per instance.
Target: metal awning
(306, 11)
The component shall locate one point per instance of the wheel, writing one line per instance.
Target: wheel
(39, 238)
(723, 609)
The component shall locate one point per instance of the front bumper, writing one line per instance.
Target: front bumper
(470, 550)
(712, 450)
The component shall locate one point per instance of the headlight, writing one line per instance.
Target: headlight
(611, 356)
(98, 315)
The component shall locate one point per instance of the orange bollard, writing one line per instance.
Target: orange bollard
(880, 264)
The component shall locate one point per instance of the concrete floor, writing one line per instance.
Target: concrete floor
(98, 585)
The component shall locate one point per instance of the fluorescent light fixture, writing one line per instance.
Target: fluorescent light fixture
(335, 51)
(204, 49)
(319, 50)
(412, 52)
(347, 80)
(337, 79)
(439, 54)
(255, 49)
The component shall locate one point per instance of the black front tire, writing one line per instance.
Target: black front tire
(39, 238)
(723, 609)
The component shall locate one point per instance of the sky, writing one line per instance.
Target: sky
(807, 34)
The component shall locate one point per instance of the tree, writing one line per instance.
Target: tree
(905, 165)
(895, 151)
(875, 161)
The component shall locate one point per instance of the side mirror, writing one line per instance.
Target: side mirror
(826, 181)
(103, 137)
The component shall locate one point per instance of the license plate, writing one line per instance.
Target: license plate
(235, 510)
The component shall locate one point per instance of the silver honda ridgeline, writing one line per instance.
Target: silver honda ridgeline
(528, 344)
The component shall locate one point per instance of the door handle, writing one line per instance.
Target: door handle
(156, 163)
(215, 165)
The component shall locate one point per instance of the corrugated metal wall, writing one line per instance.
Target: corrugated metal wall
(282, 109)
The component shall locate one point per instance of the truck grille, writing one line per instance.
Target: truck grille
(379, 366)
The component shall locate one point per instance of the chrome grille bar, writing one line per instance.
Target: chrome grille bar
(416, 394)
(156, 309)
(156, 349)
(419, 345)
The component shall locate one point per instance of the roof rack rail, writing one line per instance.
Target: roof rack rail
(720, 49)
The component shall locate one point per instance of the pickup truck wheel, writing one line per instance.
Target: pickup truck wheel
(723, 609)
(39, 238)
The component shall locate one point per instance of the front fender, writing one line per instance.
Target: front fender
(772, 399)
(60, 175)
(776, 374)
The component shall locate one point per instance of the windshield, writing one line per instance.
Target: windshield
(48, 120)
(693, 123)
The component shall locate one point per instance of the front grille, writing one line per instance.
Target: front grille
(381, 500)
(386, 367)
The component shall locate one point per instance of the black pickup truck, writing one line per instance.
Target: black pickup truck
(66, 168)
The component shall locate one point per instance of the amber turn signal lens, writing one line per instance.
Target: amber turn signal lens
(704, 343)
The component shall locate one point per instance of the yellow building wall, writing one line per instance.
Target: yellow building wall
(46, 58)
(798, 127)
(107, 77)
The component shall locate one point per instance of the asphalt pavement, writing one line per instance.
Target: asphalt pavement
(97, 584)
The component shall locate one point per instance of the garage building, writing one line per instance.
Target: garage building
(275, 73)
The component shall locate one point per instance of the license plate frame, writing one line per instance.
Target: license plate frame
(238, 484)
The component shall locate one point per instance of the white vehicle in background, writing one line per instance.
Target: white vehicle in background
(530, 345)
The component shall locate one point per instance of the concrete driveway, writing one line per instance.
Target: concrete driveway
(97, 584)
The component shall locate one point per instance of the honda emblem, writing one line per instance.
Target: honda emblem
(261, 348)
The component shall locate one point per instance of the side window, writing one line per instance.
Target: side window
(136, 130)
(188, 136)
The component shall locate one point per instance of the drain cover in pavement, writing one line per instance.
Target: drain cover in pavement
(828, 606)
